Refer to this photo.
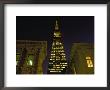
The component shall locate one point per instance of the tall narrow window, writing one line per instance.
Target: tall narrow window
(30, 60)
(17, 58)
(89, 62)
(18, 54)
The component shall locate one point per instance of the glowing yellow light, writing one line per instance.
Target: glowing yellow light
(52, 54)
(57, 65)
(89, 63)
(64, 65)
(30, 62)
(63, 54)
(88, 57)
(53, 71)
(57, 34)
(57, 43)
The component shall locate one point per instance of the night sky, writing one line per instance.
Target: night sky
(40, 28)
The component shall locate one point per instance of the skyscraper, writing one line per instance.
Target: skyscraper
(57, 61)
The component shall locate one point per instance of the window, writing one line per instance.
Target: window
(88, 57)
(57, 34)
(30, 60)
(89, 62)
(17, 58)
(57, 43)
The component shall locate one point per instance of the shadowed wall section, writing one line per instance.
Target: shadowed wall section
(82, 58)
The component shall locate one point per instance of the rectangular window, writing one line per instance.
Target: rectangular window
(30, 60)
(89, 62)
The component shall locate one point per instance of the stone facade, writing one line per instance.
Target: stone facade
(82, 58)
(30, 56)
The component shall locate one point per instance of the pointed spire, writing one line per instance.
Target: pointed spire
(56, 26)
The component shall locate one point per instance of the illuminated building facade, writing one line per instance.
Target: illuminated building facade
(82, 58)
(57, 61)
(30, 56)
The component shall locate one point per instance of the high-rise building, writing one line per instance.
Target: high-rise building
(82, 58)
(30, 56)
(57, 63)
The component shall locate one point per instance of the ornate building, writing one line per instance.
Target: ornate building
(30, 56)
(82, 58)
(57, 61)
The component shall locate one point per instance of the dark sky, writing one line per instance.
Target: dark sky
(40, 28)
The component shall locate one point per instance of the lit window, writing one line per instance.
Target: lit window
(57, 43)
(89, 62)
(88, 57)
(62, 51)
(57, 34)
(30, 60)
(64, 65)
(63, 54)
(57, 65)
(52, 54)
(53, 71)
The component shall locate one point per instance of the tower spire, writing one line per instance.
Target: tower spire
(56, 25)
(57, 61)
